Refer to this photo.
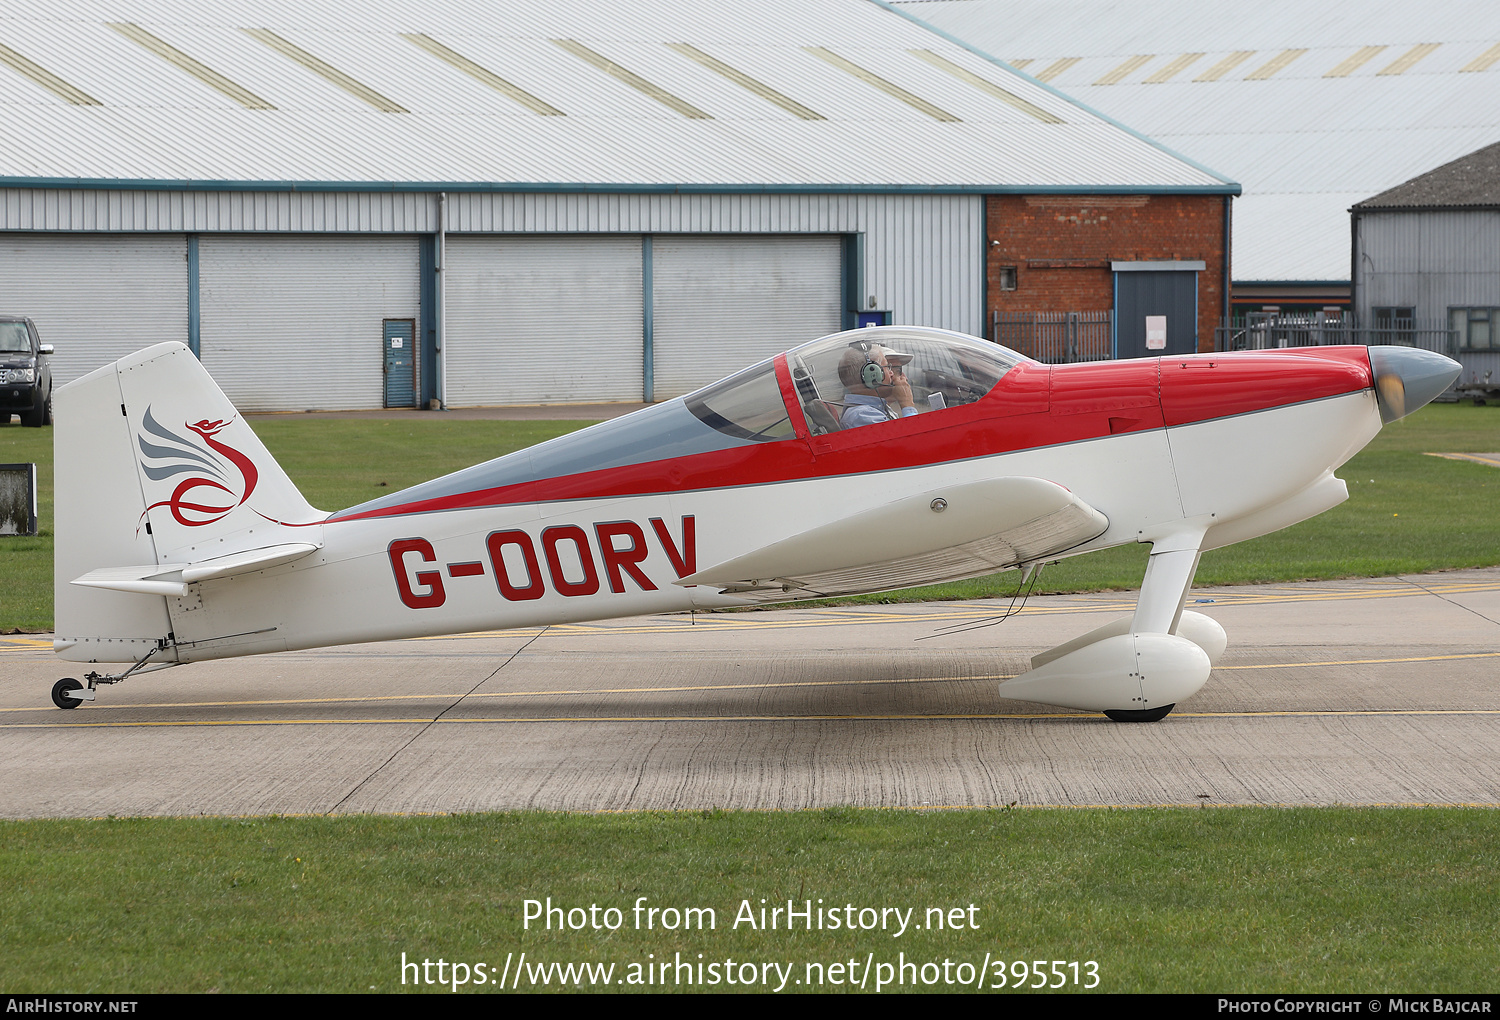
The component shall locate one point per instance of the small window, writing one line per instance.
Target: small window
(1394, 325)
(1475, 328)
(1007, 277)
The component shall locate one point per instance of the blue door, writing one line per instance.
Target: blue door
(1156, 313)
(400, 377)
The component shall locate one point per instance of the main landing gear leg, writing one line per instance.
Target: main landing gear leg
(1135, 668)
(69, 693)
(1158, 610)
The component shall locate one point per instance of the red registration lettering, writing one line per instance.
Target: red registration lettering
(570, 533)
(616, 560)
(496, 544)
(684, 560)
(432, 580)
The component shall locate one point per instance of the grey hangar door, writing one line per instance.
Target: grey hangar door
(1152, 295)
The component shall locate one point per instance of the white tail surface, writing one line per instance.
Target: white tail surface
(157, 474)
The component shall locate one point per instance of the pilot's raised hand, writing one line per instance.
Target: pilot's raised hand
(899, 388)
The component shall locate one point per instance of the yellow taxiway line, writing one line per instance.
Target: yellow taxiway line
(845, 616)
(1491, 459)
(849, 717)
(693, 688)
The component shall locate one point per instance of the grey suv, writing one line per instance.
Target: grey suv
(25, 376)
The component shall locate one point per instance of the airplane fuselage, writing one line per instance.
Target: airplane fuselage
(1231, 446)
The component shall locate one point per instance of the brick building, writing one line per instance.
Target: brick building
(1109, 255)
(1311, 107)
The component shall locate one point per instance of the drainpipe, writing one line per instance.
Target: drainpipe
(440, 264)
(1226, 303)
(1354, 265)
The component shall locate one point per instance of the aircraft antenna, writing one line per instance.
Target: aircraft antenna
(1029, 573)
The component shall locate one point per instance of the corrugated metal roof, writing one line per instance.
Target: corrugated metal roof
(1473, 180)
(511, 93)
(1374, 92)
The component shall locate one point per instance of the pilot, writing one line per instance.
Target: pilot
(872, 375)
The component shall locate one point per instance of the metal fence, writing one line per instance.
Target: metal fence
(1259, 332)
(1055, 338)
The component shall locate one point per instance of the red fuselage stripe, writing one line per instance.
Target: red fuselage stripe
(1033, 406)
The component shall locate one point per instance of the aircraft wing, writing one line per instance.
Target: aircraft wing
(963, 530)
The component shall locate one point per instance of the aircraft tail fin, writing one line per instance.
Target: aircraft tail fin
(155, 471)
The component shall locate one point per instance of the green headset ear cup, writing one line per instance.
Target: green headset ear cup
(872, 374)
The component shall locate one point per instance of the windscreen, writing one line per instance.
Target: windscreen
(745, 406)
(14, 339)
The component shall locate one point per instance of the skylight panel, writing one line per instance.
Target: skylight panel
(746, 82)
(181, 60)
(1057, 67)
(1408, 59)
(632, 79)
(46, 79)
(1275, 64)
(1020, 65)
(1175, 68)
(1484, 61)
(482, 74)
(1128, 67)
(324, 70)
(889, 88)
(1225, 65)
(985, 85)
(1355, 61)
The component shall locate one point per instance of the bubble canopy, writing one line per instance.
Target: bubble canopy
(814, 386)
(793, 395)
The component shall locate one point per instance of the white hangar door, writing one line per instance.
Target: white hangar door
(543, 319)
(722, 303)
(96, 297)
(292, 322)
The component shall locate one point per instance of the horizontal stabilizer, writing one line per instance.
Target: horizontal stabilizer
(155, 579)
(172, 579)
(962, 530)
(250, 559)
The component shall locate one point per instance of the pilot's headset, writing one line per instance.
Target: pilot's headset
(872, 372)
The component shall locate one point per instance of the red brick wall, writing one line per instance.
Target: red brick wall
(1061, 247)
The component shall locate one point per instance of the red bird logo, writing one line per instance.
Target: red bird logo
(208, 493)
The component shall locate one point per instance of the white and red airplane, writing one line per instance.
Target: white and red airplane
(865, 461)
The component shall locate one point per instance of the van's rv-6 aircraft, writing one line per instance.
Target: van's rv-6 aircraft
(179, 538)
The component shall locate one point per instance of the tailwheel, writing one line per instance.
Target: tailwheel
(61, 693)
(1138, 714)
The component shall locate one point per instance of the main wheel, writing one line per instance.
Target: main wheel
(39, 415)
(1138, 714)
(60, 693)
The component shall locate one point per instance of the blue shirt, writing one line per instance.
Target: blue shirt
(860, 409)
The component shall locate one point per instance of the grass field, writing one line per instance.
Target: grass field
(1406, 513)
(1207, 900)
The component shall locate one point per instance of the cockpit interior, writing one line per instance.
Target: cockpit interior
(815, 382)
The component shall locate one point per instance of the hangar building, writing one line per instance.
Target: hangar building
(1312, 107)
(1428, 252)
(395, 203)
